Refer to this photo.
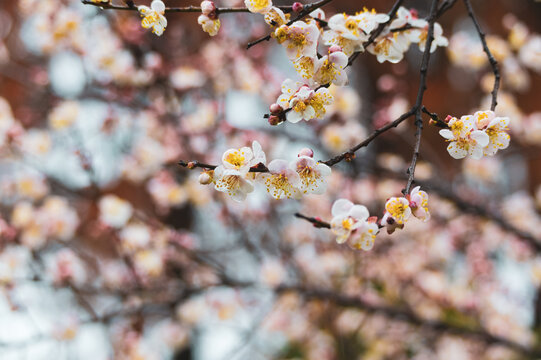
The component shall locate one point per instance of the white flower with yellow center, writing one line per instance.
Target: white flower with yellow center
(498, 137)
(347, 27)
(305, 66)
(233, 183)
(419, 35)
(301, 108)
(347, 217)
(465, 138)
(397, 212)
(418, 202)
(331, 69)
(210, 26)
(348, 46)
(153, 17)
(282, 181)
(238, 159)
(370, 20)
(319, 100)
(312, 174)
(299, 39)
(258, 6)
(276, 17)
(364, 236)
(390, 47)
(114, 211)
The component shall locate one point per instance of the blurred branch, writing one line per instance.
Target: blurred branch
(491, 59)
(318, 223)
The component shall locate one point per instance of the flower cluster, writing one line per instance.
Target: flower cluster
(153, 17)
(477, 135)
(352, 223)
(209, 18)
(399, 209)
(241, 168)
(346, 34)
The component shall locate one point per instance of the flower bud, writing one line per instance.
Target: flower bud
(205, 178)
(275, 109)
(334, 48)
(297, 6)
(448, 118)
(306, 152)
(207, 7)
(191, 165)
(274, 120)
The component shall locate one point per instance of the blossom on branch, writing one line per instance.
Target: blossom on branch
(153, 17)
(351, 223)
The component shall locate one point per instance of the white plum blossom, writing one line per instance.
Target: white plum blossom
(299, 39)
(232, 182)
(114, 211)
(370, 20)
(495, 128)
(364, 236)
(397, 212)
(282, 181)
(153, 17)
(418, 202)
(312, 173)
(347, 217)
(210, 26)
(347, 27)
(258, 6)
(303, 102)
(275, 17)
(331, 69)
(390, 47)
(465, 138)
(419, 35)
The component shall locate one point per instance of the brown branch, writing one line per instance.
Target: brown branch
(491, 59)
(307, 10)
(186, 9)
(316, 221)
(259, 168)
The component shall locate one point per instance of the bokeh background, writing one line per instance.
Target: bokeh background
(110, 250)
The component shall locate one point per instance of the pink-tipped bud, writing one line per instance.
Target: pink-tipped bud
(207, 7)
(306, 152)
(205, 178)
(297, 6)
(448, 118)
(191, 165)
(414, 13)
(275, 109)
(334, 48)
(274, 120)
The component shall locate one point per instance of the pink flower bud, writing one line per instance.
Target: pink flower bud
(275, 109)
(448, 118)
(191, 165)
(306, 152)
(207, 7)
(274, 120)
(205, 178)
(297, 6)
(334, 48)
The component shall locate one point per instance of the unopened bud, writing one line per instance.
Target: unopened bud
(448, 118)
(349, 156)
(205, 178)
(275, 109)
(297, 6)
(191, 165)
(432, 122)
(207, 7)
(334, 48)
(306, 152)
(274, 120)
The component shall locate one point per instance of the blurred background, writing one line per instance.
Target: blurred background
(110, 250)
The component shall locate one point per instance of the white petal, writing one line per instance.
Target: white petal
(341, 207)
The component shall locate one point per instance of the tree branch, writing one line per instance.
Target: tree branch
(491, 59)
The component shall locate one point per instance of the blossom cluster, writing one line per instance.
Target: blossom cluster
(477, 135)
(282, 179)
(345, 35)
(353, 223)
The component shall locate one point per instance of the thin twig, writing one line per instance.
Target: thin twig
(491, 59)
(316, 221)
(186, 9)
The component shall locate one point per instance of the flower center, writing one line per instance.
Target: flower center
(236, 159)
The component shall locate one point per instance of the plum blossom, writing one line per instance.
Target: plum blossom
(347, 27)
(347, 217)
(304, 102)
(389, 47)
(418, 202)
(465, 138)
(364, 236)
(495, 128)
(368, 21)
(282, 181)
(419, 35)
(276, 17)
(210, 26)
(242, 159)
(233, 183)
(299, 39)
(114, 211)
(311, 173)
(397, 212)
(153, 17)
(331, 68)
(258, 6)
